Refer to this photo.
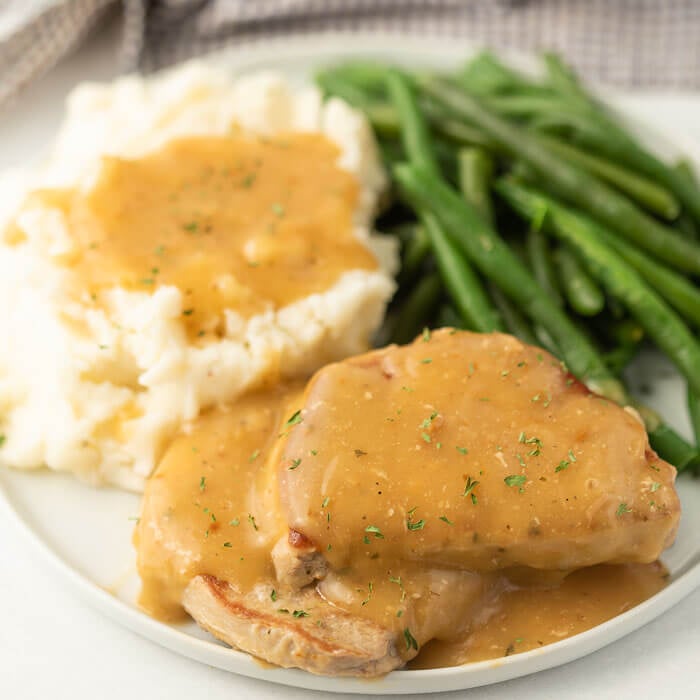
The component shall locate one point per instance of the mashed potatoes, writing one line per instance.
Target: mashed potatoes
(99, 389)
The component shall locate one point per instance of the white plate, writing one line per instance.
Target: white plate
(85, 534)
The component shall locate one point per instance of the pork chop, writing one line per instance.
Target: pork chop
(341, 529)
(472, 451)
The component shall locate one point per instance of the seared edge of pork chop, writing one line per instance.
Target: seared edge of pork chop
(297, 562)
(300, 631)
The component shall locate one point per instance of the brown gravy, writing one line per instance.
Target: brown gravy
(210, 507)
(529, 618)
(213, 508)
(235, 222)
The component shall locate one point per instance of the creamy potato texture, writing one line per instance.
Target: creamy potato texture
(189, 238)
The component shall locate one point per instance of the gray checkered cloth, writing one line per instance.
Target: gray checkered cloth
(640, 43)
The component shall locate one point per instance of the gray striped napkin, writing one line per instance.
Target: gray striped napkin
(640, 43)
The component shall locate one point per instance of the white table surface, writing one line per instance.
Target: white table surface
(53, 646)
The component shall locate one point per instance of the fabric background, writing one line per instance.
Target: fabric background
(635, 43)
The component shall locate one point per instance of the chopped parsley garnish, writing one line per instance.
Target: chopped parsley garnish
(522, 438)
(426, 360)
(515, 480)
(445, 519)
(295, 418)
(191, 227)
(295, 463)
(326, 501)
(254, 455)
(655, 487)
(227, 544)
(375, 531)
(248, 180)
(251, 520)
(202, 483)
(426, 334)
(235, 522)
(278, 209)
(414, 525)
(411, 642)
(469, 489)
(562, 465)
(622, 509)
(462, 450)
(360, 453)
(397, 580)
(370, 590)
(426, 437)
(273, 595)
(313, 452)
(300, 613)
(188, 312)
(429, 421)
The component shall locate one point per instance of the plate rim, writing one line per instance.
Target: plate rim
(328, 45)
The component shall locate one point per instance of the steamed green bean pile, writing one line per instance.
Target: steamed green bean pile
(526, 206)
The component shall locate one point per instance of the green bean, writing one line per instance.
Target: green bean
(685, 168)
(562, 78)
(615, 142)
(497, 262)
(462, 283)
(364, 75)
(545, 340)
(415, 252)
(569, 182)
(449, 317)
(620, 280)
(667, 442)
(685, 222)
(646, 193)
(686, 225)
(525, 107)
(694, 412)
(380, 114)
(618, 358)
(486, 75)
(475, 172)
(414, 131)
(515, 322)
(461, 133)
(626, 331)
(417, 309)
(540, 261)
(676, 289)
(475, 175)
(583, 294)
(627, 336)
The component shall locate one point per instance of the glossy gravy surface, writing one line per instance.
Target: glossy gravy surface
(213, 507)
(472, 451)
(235, 222)
(210, 508)
(529, 618)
